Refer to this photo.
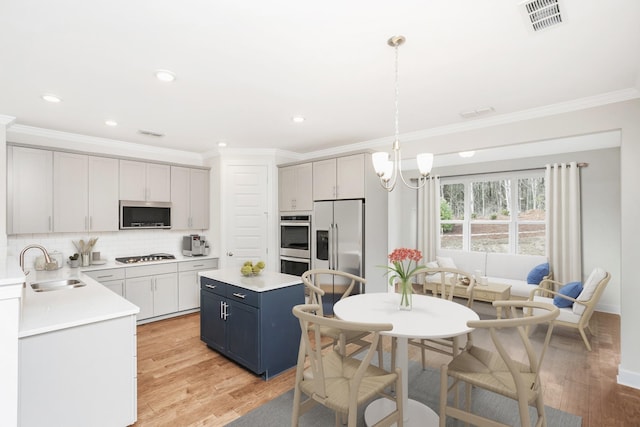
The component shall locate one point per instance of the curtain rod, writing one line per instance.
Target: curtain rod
(579, 165)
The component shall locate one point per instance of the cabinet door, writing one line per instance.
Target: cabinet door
(212, 324)
(133, 180)
(243, 334)
(324, 180)
(350, 177)
(188, 290)
(139, 291)
(116, 286)
(70, 192)
(158, 179)
(103, 194)
(304, 187)
(287, 185)
(199, 199)
(165, 294)
(180, 192)
(29, 190)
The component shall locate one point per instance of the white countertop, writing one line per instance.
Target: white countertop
(43, 312)
(10, 272)
(265, 281)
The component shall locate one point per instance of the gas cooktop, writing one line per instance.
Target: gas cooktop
(144, 258)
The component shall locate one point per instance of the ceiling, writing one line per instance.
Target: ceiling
(245, 68)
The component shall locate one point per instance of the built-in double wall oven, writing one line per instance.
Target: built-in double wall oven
(295, 244)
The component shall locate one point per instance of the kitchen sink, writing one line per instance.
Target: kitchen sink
(56, 285)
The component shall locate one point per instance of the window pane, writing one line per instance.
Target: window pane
(490, 237)
(451, 236)
(491, 199)
(531, 239)
(531, 199)
(452, 203)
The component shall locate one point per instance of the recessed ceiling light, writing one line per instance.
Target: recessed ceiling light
(51, 98)
(466, 153)
(297, 119)
(165, 75)
(111, 123)
(222, 144)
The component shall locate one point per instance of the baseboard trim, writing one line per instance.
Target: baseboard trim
(628, 378)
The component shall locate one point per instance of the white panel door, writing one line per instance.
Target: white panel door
(246, 214)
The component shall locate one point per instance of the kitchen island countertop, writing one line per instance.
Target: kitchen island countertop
(265, 281)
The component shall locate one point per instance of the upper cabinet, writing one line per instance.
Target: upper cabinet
(85, 195)
(142, 181)
(29, 190)
(189, 198)
(340, 178)
(295, 187)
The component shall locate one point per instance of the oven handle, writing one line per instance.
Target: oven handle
(288, 258)
(295, 224)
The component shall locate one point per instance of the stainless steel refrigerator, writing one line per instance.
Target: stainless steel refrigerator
(337, 244)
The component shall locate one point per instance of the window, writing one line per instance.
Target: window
(493, 213)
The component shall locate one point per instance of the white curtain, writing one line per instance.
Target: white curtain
(429, 218)
(562, 182)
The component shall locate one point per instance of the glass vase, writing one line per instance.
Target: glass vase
(406, 291)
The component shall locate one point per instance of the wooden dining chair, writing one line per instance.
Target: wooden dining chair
(449, 281)
(317, 279)
(502, 371)
(339, 382)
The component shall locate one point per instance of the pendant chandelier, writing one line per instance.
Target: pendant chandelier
(388, 170)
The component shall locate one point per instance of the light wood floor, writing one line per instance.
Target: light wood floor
(181, 382)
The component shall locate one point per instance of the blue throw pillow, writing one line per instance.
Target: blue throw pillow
(537, 273)
(572, 290)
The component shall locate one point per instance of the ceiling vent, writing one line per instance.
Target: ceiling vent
(542, 14)
(150, 133)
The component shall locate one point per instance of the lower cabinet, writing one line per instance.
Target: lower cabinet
(153, 288)
(111, 278)
(255, 329)
(188, 284)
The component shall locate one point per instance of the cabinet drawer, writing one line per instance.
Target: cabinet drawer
(198, 265)
(243, 295)
(151, 270)
(214, 286)
(105, 275)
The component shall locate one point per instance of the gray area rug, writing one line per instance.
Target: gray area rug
(423, 387)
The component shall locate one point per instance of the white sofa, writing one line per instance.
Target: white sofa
(498, 268)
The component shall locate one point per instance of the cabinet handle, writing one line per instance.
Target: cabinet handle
(243, 296)
(90, 222)
(222, 310)
(198, 265)
(105, 277)
(210, 286)
(49, 222)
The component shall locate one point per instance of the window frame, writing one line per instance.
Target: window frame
(513, 222)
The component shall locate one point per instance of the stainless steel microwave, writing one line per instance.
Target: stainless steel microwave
(135, 215)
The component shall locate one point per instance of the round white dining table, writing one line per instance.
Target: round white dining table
(430, 317)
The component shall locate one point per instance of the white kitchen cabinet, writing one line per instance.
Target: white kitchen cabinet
(189, 198)
(79, 376)
(188, 283)
(29, 190)
(112, 278)
(153, 288)
(85, 193)
(142, 181)
(295, 187)
(339, 178)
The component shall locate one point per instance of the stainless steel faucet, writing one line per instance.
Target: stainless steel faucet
(49, 264)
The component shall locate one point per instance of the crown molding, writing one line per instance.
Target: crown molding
(100, 145)
(7, 120)
(496, 120)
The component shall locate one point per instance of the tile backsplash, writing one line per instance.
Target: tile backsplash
(109, 244)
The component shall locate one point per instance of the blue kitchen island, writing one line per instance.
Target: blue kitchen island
(249, 319)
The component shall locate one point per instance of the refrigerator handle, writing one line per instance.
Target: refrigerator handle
(335, 242)
(330, 246)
